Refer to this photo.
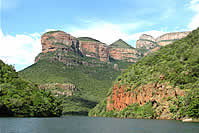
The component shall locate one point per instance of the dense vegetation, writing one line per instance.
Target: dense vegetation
(92, 78)
(120, 44)
(22, 98)
(178, 63)
(132, 111)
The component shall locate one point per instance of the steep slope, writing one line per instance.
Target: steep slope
(120, 50)
(82, 63)
(120, 44)
(22, 98)
(163, 85)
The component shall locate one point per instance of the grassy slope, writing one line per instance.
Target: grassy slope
(87, 39)
(178, 62)
(120, 44)
(93, 81)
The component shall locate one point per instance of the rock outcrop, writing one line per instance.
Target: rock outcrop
(121, 97)
(60, 89)
(95, 50)
(171, 37)
(54, 40)
(119, 50)
(148, 44)
(129, 55)
(85, 46)
(51, 41)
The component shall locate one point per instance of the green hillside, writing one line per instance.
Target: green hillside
(179, 63)
(22, 98)
(90, 75)
(120, 44)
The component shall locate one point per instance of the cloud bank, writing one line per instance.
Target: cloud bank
(19, 50)
(108, 32)
(194, 6)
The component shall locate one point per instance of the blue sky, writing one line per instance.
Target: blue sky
(24, 21)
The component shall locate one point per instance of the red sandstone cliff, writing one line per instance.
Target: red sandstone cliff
(156, 93)
(123, 54)
(51, 41)
(119, 50)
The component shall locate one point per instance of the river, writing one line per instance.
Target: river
(78, 124)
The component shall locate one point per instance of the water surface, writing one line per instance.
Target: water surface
(76, 124)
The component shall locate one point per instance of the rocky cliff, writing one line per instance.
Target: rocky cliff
(85, 46)
(95, 50)
(149, 44)
(54, 40)
(146, 41)
(171, 37)
(121, 98)
(119, 50)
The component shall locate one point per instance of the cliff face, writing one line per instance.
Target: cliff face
(84, 46)
(170, 37)
(150, 44)
(95, 50)
(52, 41)
(119, 50)
(123, 54)
(146, 42)
(155, 93)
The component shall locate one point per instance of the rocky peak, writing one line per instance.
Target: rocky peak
(120, 44)
(84, 46)
(53, 40)
(146, 37)
(145, 42)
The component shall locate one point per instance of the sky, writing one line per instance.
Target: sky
(24, 21)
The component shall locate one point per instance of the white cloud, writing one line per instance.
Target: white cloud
(194, 6)
(108, 33)
(20, 49)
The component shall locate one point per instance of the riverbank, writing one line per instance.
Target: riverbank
(190, 120)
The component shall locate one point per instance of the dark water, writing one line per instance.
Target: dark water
(75, 124)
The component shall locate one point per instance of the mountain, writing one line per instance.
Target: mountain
(120, 44)
(68, 61)
(87, 64)
(120, 50)
(147, 44)
(162, 85)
